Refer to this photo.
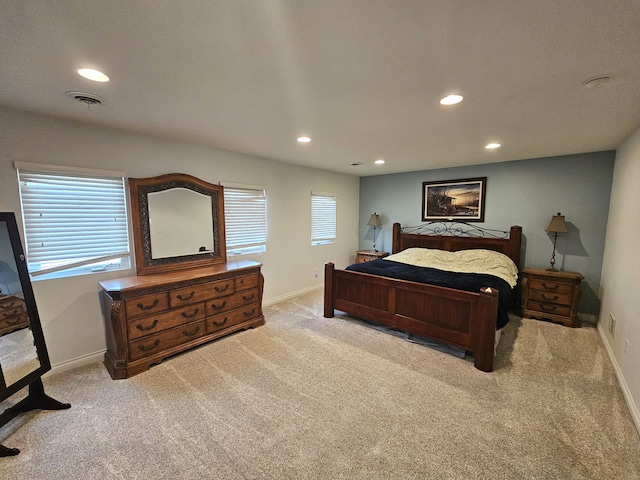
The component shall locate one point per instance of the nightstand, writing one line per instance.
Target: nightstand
(368, 255)
(551, 295)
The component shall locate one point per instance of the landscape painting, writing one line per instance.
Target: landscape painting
(455, 200)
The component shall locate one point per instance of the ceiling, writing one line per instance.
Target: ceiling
(362, 78)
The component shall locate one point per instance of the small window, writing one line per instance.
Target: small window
(74, 223)
(323, 218)
(245, 218)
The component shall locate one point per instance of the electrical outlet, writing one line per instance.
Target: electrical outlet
(612, 325)
(626, 345)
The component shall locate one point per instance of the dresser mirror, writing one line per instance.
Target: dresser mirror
(177, 222)
(23, 353)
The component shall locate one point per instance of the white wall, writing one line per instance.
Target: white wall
(620, 291)
(69, 308)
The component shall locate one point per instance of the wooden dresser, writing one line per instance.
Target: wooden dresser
(551, 295)
(13, 314)
(152, 317)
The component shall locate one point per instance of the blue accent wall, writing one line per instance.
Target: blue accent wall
(523, 192)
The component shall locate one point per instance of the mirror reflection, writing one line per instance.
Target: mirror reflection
(180, 223)
(18, 355)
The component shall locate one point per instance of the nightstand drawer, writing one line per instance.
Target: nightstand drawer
(551, 286)
(550, 308)
(550, 297)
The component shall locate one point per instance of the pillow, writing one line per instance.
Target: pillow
(462, 261)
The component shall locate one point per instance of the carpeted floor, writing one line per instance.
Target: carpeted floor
(304, 397)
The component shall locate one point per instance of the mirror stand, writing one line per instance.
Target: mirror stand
(23, 351)
(36, 400)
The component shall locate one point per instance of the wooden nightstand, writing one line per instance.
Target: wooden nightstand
(368, 255)
(551, 295)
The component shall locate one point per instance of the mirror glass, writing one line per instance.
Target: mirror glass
(18, 354)
(177, 222)
(180, 223)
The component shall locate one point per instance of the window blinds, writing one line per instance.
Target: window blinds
(245, 219)
(323, 218)
(72, 220)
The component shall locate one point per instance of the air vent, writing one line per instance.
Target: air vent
(86, 98)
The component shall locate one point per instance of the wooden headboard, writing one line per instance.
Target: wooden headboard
(453, 236)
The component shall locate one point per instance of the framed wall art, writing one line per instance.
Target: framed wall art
(458, 200)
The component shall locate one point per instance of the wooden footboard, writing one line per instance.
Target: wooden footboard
(463, 319)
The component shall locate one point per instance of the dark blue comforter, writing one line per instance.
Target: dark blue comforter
(470, 282)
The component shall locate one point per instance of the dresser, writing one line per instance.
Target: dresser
(152, 317)
(13, 314)
(368, 255)
(551, 295)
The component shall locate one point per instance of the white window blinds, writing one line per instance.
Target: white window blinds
(323, 218)
(245, 220)
(72, 220)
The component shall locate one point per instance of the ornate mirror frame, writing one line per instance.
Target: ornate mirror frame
(139, 190)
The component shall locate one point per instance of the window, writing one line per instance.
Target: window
(323, 218)
(75, 221)
(245, 218)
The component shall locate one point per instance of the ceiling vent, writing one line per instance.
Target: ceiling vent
(87, 98)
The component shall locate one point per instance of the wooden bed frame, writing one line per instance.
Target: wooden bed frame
(464, 319)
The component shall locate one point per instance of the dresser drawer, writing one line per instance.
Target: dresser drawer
(550, 297)
(551, 286)
(232, 317)
(144, 305)
(165, 340)
(247, 281)
(224, 304)
(139, 327)
(200, 293)
(11, 303)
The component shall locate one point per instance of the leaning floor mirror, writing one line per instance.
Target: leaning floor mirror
(23, 352)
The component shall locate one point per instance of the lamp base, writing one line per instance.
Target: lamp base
(551, 269)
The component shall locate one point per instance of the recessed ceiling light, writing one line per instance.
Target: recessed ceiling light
(304, 139)
(379, 162)
(451, 99)
(92, 74)
(355, 164)
(491, 146)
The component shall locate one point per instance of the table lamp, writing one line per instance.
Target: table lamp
(556, 225)
(374, 221)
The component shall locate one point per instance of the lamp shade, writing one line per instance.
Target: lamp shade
(374, 220)
(557, 225)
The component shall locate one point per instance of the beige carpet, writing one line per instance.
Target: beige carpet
(305, 397)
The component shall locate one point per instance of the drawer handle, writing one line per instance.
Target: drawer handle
(146, 349)
(148, 307)
(10, 314)
(187, 334)
(145, 329)
(248, 298)
(550, 287)
(11, 305)
(220, 289)
(219, 324)
(216, 307)
(184, 299)
(548, 308)
(190, 315)
(549, 299)
(250, 314)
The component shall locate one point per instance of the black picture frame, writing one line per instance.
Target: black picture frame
(456, 200)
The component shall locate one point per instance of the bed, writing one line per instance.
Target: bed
(458, 317)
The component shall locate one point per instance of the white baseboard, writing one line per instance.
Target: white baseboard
(77, 362)
(288, 296)
(633, 408)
